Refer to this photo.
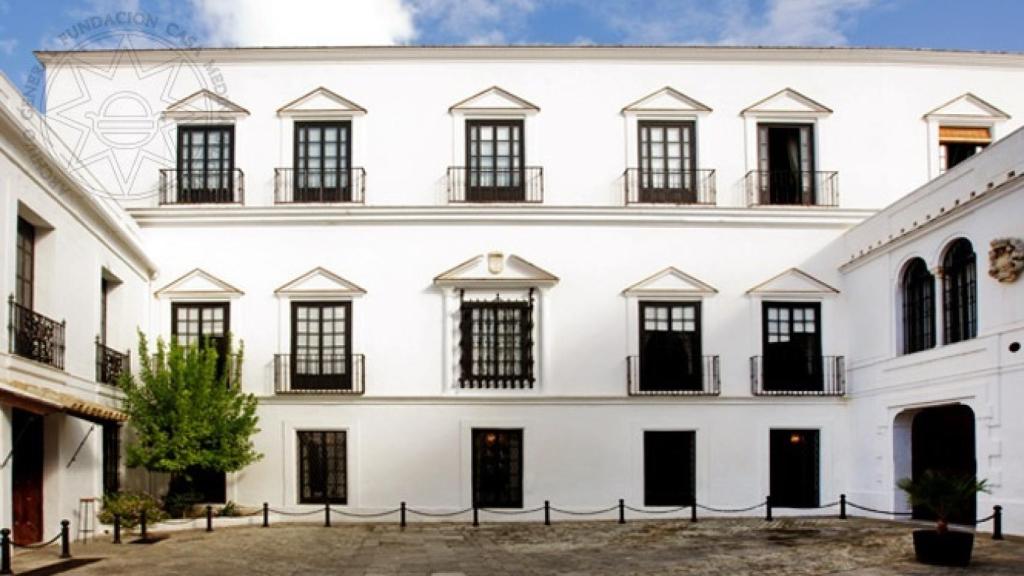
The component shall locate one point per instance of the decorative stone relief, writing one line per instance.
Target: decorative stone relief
(1006, 259)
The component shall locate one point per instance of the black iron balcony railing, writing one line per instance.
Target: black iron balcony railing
(511, 185)
(202, 187)
(323, 375)
(35, 336)
(644, 186)
(298, 186)
(792, 188)
(110, 364)
(813, 376)
(705, 383)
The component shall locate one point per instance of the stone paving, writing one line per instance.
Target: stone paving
(734, 547)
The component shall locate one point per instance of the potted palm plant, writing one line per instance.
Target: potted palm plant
(943, 495)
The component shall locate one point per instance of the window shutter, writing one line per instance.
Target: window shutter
(970, 134)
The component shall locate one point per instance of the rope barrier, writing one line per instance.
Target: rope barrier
(286, 513)
(867, 509)
(511, 512)
(668, 511)
(437, 514)
(587, 513)
(829, 505)
(731, 510)
(37, 545)
(985, 519)
(364, 514)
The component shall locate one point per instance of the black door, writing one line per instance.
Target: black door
(206, 164)
(203, 324)
(786, 163)
(794, 468)
(321, 341)
(667, 152)
(792, 346)
(494, 161)
(669, 468)
(322, 162)
(323, 467)
(670, 348)
(27, 477)
(497, 468)
(942, 439)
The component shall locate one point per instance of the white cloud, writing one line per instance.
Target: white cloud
(475, 21)
(797, 23)
(303, 22)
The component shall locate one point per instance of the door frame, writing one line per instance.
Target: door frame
(35, 422)
(522, 460)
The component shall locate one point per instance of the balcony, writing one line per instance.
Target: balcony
(331, 375)
(35, 336)
(792, 188)
(707, 383)
(816, 376)
(205, 187)
(677, 187)
(110, 364)
(496, 185)
(297, 186)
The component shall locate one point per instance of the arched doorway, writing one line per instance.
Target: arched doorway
(942, 439)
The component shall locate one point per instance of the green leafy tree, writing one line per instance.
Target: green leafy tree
(188, 418)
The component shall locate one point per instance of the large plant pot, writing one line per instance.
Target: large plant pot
(947, 549)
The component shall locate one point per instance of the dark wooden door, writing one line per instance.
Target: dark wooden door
(669, 468)
(794, 468)
(27, 477)
(942, 439)
(792, 346)
(497, 468)
(786, 163)
(495, 152)
(670, 347)
(667, 152)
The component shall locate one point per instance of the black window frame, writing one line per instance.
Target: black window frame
(111, 458)
(320, 381)
(686, 192)
(960, 292)
(25, 264)
(516, 191)
(918, 291)
(652, 377)
(779, 369)
(490, 367)
(342, 192)
(221, 342)
(770, 192)
(187, 194)
(307, 492)
(512, 496)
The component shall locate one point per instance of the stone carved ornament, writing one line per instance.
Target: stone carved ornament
(1006, 259)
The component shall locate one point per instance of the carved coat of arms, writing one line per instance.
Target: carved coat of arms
(1006, 259)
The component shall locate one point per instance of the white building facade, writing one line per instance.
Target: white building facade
(499, 276)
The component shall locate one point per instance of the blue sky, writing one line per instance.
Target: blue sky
(27, 25)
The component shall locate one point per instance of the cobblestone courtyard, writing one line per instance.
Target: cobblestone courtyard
(791, 547)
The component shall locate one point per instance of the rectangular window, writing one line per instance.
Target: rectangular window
(494, 161)
(206, 164)
(24, 273)
(322, 162)
(104, 294)
(323, 467)
(111, 458)
(794, 468)
(958, 143)
(496, 344)
(321, 345)
(667, 162)
(792, 346)
(203, 324)
(785, 155)
(670, 346)
(669, 468)
(497, 468)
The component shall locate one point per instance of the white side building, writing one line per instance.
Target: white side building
(499, 276)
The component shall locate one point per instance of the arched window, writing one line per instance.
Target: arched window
(960, 304)
(918, 307)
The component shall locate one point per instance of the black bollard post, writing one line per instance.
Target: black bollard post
(65, 539)
(209, 518)
(547, 513)
(622, 511)
(476, 516)
(842, 506)
(403, 515)
(693, 512)
(768, 508)
(266, 515)
(142, 524)
(327, 515)
(5, 551)
(997, 522)
(117, 528)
